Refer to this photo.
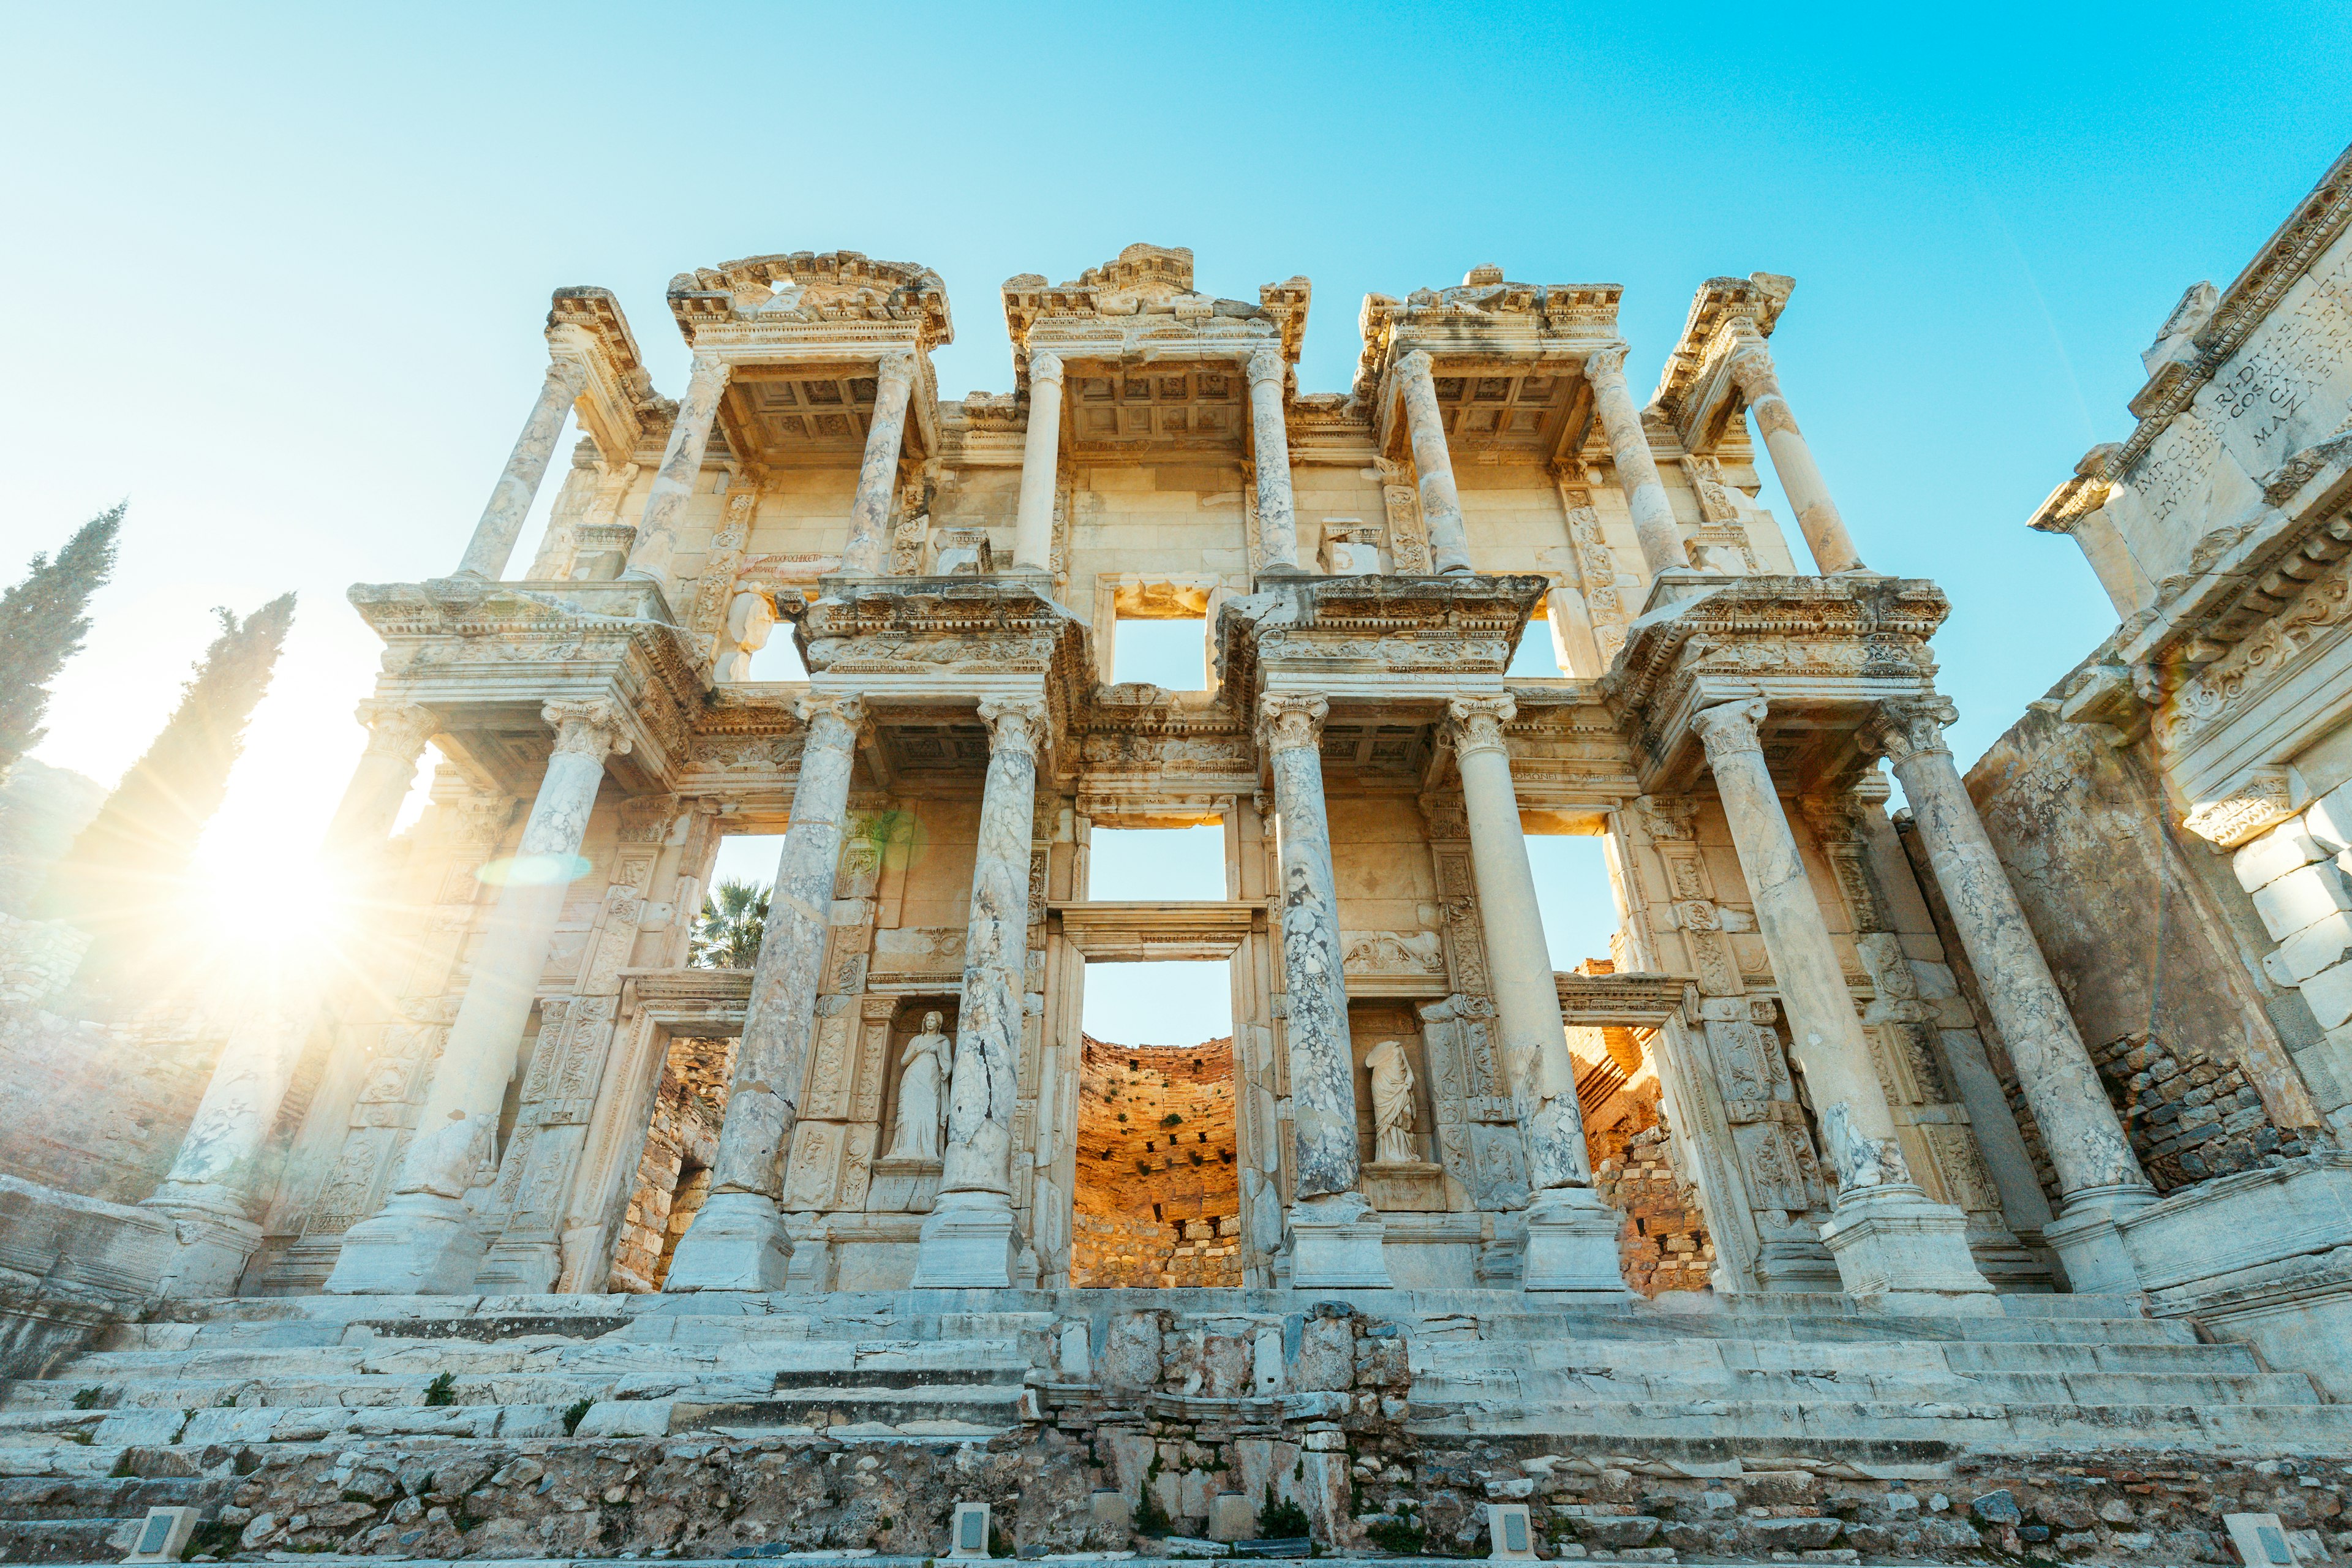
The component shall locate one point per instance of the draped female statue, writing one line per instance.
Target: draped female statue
(923, 1072)
(1392, 1105)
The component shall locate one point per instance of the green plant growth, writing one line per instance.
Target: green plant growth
(442, 1390)
(576, 1413)
(1280, 1519)
(1151, 1519)
(997, 1545)
(1404, 1535)
(1172, 1120)
(88, 1398)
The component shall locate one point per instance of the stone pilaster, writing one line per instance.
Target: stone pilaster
(681, 466)
(1886, 1235)
(1334, 1235)
(738, 1241)
(423, 1240)
(1041, 455)
(2099, 1177)
(502, 522)
(1571, 1233)
(969, 1237)
(1277, 514)
(1441, 504)
(1792, 461)
(1637, 471)
(878, 475)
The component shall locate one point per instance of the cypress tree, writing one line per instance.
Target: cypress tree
(43, 620)
(128, 858)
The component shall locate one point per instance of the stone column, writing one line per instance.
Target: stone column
(738, 1241)
(1277, 514)
(878, 476)
(1792, 461)
(209, 1190)
(1637, 471)
(423, 1241)
(1334, 1236)
(1571, 1233)
(681, 465)
(518, 486)
(968, 1239)
(1440, 505)
(1884, 1234)
(1041, 457)
(2099, 1177)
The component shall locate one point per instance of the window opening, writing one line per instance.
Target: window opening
(1155, 863)
(1173, 654)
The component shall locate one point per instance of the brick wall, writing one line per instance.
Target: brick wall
(1663, 1245)
(1158, 1195)
(674, 1176)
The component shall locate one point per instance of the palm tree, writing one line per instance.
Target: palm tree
(727, 933)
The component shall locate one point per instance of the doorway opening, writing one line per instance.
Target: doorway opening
(674, 1174)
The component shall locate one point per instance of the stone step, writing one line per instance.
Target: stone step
(66, 1540)
(1676, 1327)
(2086, 1389)
(112, 1497)
(1941, 1358)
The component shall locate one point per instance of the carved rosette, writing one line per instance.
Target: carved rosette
(1475, 723)
(1291, 720)
(589, 728)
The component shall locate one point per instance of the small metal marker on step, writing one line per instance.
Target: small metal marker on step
(1514, 1540)
(2260, 1539)
(970, 1531)
(162, 1535)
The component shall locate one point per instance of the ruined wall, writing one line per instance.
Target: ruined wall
(1159, 1197)
(1663, 1245)
(674, 1174)
(98, 1108)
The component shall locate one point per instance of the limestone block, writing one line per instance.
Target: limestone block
(1231, 1518)
(2274, 854)
(1327, 1354)
(2320, 945)
(2328, 994)
(2326, 1068)
(2329, 820)
(2310, 893)
(1131, 1356)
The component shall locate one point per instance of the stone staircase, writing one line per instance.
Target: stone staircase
(177, 1410)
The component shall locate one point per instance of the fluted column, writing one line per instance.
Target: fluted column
(1792, 461)
(423, 1241)
(738, 1242)
(968, 1239)
(1441, 504)
(1883, 1232)
(209, 1190)
(2099, 1177)
(1637, 471)
(1571, 1233)
(502, 522)
(878, 475)
(1041, 457)
(1334, 1236)
(1277, 514)
(681, 465)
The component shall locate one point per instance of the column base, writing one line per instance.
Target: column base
(1335, 1245)
(1572, 1245)
(420, 1245)
(967, 1243)
(214, 1242)
(736, 1242)
(1891, 1242)
(2087, 1241)
(520, 1267)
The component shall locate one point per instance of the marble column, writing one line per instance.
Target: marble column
(1637, 471)
(969, 1239)
(209, 1191)
(681, 466)
(1277, 513)
(878, 476)
(2099, 1177)
(738, 1242)
(423, 1240)
(1041, 457)
(1440, 505)
(1334, 1236)
(518, 486)
(1792, 461)
(1884, 1234)
(1571, 1232)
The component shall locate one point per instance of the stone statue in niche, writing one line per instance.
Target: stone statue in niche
(1392, 1105)
(923, 1070)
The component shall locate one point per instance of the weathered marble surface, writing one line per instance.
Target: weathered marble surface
(1041, 455)
(681, 466)
(1637, 470)
(1792, 461)
(1441, 504)
(877, 474)
(1278, 516)
(502, 518)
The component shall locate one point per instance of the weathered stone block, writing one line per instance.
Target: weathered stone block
(2321, 945)
(2274, 854)
(2289, 903)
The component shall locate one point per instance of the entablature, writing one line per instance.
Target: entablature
(1696, 396)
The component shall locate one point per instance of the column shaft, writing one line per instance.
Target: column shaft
(502, 518)
(1440, 505)
(423, 1240)
(878, 475)
(1792, 461)
(1277, 515)
(681, 466)
(738, 1242)
(1041, 455)
(1637, 471)
(1322, 1062)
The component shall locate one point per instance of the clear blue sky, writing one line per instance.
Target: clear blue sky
(276, 273)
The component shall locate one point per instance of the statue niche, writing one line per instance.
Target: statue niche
(919, 1130)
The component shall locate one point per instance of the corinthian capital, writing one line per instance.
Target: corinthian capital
(1415, 365)
(589, 728)
(1907, 727)
(1265, 365)
(830, 710)
(1476, 723)
(1015, 723)
(1729, 728)
(1752, 373)
(1604, 365)
(898, 367)
(1291, 720)
(1044, 368)
(398, 729)
(708, 371)
(568, 373)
